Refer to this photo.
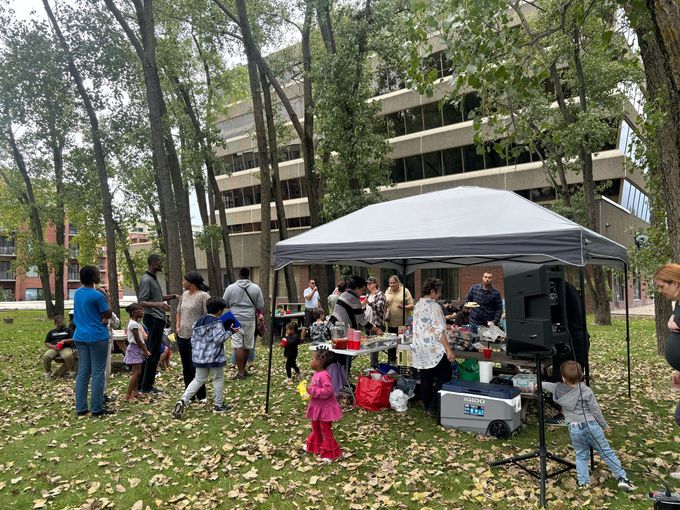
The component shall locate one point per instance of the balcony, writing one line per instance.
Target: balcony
(72, 230)
(7, 250)
(7, 275)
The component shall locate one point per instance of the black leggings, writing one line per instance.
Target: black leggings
(431, 381)
(677, 414)
(291, 364)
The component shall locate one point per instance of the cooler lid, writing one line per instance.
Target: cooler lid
(485, 389)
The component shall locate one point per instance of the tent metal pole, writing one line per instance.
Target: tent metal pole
(625, 299)
(403, 292)
(582, 291)
(271, 338)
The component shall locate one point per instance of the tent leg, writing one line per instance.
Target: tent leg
(582, 290)
(271, 339)
(586, 369)
(625, 299)
(403, 293)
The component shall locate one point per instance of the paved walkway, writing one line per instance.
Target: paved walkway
(40, 305)
(636, 311)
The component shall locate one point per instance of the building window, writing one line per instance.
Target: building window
(74, 271)
(432, 164)
(453, 161)
(414, 168)
(432, 116)
(471, 160)
(6, 271)
(452, 113)
(6, 246)
(71, 293)
(414, 120)
(637, 286)
(396, 124)
(73, 250)
(32, 272)
(34, 294)
(451, 287)
(619, 287)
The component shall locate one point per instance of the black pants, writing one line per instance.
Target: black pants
(431, 381)
(155, 328)
(392, 353)
(188, 370)
(291, 364)
(677, 414)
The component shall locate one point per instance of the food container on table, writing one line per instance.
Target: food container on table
(338, 330)
(339, 343)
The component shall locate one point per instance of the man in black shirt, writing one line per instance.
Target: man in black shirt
(59, 345)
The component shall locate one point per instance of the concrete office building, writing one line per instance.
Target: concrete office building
(431, 149)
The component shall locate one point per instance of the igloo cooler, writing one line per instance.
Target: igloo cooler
(482, 408)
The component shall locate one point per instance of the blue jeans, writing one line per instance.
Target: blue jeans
(91, 365)
(586, 435)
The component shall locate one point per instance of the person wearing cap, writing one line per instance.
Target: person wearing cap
(462, 317)
(489, 300)
(192, 306)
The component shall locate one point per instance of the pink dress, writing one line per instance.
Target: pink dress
(323, 405)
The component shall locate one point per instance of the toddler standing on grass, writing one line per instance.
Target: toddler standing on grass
(136, 350)
(587, 425)
(290, 351)
(323, 409)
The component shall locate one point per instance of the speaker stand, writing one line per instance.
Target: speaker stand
(542, 452)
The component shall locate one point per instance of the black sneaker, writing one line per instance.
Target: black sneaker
(178, 409)
(221, 409)
(625, 485)
(103, 412)
(82, 413)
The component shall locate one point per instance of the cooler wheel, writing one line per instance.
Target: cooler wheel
(499, 429)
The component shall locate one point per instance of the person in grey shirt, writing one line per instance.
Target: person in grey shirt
(153, 301)
(244, 299)
(587, 426)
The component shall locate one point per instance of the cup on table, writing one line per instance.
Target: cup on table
(487, 352)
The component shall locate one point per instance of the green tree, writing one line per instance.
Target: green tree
(524, 59)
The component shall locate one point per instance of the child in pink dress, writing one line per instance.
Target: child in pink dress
(323, 409)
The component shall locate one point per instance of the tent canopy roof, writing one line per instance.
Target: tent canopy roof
(455, 227)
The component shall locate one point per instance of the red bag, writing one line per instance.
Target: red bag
(372, 394)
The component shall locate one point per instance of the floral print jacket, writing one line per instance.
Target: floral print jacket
(428, 326)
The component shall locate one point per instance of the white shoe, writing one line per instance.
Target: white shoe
(675, 475)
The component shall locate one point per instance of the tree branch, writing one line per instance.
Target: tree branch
(134, 40)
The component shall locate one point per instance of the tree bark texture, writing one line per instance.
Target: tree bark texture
(59, 226)
(261, 134)
(128, 259)
(27, 197)
(146, 52)
(288, 273)
(100, 162)
(659, 39)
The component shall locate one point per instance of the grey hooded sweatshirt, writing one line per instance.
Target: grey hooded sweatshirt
(578, 405)
(240, 304)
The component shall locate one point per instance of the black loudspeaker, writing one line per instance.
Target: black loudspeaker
(535, 307)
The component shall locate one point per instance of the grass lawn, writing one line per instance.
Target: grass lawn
(142, 457)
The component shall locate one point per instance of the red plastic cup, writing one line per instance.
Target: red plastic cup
(487, 352)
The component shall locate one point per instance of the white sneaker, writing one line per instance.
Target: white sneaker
(48, 375)
(675, 475)
(625, 485)
(289, 381)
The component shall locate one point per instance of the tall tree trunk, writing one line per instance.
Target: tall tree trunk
(261, 134)
(100, 161)
(128, 259)
(27, 197)
(59, 226)
(599, 285)
(659, 39)
(146, 52)
(214, 274)
(289, 275)
(186, 233)
(215, 198)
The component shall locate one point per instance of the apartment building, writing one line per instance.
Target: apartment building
(431, 149)
(23, 284)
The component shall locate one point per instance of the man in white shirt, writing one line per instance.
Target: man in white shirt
(311, 295)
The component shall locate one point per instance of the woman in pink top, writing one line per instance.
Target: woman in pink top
(323, 409)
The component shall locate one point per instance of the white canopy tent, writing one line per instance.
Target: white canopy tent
(457, 227)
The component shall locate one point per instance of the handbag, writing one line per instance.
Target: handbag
(260, 324)
(374, 394)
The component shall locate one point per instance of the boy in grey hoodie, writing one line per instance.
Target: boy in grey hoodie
(587, 425)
